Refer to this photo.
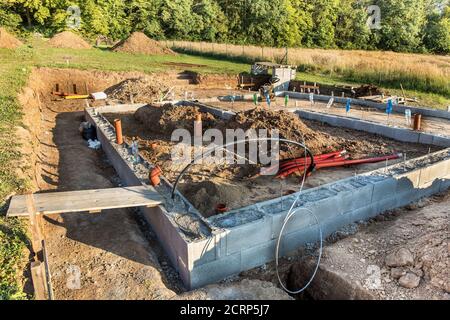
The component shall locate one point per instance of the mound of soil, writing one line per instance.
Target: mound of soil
(207, 194)
(68, 40)
(138, 42)
(171, 118)
(138, 90)
(289, 127)
(8, 41)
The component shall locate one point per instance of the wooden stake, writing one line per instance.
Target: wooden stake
(36, 235)
(37, 275)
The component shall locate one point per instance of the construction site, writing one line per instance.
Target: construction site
(358, 207)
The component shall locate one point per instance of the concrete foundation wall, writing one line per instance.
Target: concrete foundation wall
(246, 238)
(382, 106)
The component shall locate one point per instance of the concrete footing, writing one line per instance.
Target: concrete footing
(245, 238)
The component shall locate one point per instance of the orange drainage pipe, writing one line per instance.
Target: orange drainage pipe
(154, 176)
(221, 208)
(338, 163)
(118, 127)
(417, 122)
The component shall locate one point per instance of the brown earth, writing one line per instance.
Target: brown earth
(146, 89)
(8, 41)
(138, 42)
(111, 255)
(68, 40)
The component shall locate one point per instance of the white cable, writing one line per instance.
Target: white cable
(289, 215)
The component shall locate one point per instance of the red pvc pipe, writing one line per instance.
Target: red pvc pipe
(338, 163)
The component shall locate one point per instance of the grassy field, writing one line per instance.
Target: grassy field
(13, 240)
(422, 76)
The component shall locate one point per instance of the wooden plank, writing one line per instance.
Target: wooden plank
(36, 234)
(48, 276)
(37, 276)
(86, 200)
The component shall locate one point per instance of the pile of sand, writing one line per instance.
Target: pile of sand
(164, 120)
(68, 40)
(138, 42)
(8, 41)
(138, 90)
(289, 127)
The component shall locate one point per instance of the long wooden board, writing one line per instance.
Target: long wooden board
(86, 200)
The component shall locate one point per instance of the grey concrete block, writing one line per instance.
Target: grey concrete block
(406, 135)
(441, 141)
(300, 220)
(257, 256)
(445, 183)
(388, 203)
(383, 188)
(365, 213)
(215, 270)
(336, 223)
(201, 252)
(249, 235)
(292, 241)
(426, 138)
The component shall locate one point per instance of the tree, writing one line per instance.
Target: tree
(142, 15)
(351, 30)
(212, 22)
(402, 22)
(437, 31)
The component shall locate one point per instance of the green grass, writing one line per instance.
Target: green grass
(424, 99)
(14, 67)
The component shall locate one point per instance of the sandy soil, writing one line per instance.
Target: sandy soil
(68, 39)
(138, 42)
(8, 41)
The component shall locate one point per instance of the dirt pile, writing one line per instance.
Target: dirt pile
(138, 42)
(289, 127)
(8, 41)
(68, 40)
(171, 118)
(206, 195)
(138, 90)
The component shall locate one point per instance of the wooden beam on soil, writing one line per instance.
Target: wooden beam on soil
(86, 200)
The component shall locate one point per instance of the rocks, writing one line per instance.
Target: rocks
(400, 258)
(409, 280)
(243, 290)
(396, 273)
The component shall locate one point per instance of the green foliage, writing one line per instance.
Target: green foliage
(407, 25)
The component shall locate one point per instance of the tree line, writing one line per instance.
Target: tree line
(398, 25)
